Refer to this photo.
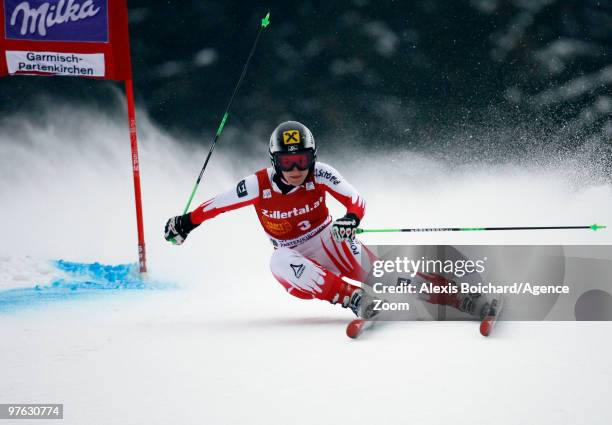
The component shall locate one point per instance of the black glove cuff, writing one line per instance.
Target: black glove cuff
(186, 224)
(354, 217)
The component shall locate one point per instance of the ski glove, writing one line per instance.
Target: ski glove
(345, 228)
(177, 229)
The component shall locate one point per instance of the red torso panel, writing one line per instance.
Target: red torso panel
(292, 215)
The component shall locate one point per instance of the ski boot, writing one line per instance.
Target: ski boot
(362, 304)
(473, 304)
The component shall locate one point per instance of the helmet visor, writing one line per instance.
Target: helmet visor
(287, 161)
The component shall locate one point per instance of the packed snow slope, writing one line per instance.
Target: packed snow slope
(212, 338)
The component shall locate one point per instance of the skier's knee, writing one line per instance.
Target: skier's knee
(280, 259)
(286, 274)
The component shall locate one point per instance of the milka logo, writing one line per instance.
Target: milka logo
(39, 20)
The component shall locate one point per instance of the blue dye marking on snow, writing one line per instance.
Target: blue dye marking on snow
(83, 279)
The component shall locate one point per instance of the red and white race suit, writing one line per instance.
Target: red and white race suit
(307, 261)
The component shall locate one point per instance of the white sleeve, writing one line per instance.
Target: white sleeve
(246, 192)
(339, 188)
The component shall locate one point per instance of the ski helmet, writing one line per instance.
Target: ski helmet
(292, 145)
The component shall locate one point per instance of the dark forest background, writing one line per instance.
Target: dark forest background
(384, 72)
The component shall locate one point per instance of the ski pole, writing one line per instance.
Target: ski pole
(264, 23)
(473, 229)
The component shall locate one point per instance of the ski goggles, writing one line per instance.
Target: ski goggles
(287, 161)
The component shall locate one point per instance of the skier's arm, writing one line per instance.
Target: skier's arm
(340, 189)
(246, 192)
(344, 228)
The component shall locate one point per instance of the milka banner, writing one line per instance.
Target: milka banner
(428, 282)
(82, 38)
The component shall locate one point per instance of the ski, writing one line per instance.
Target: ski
(487, 324)
(357, 326)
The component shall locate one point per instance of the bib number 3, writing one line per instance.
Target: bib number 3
(304, 225)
